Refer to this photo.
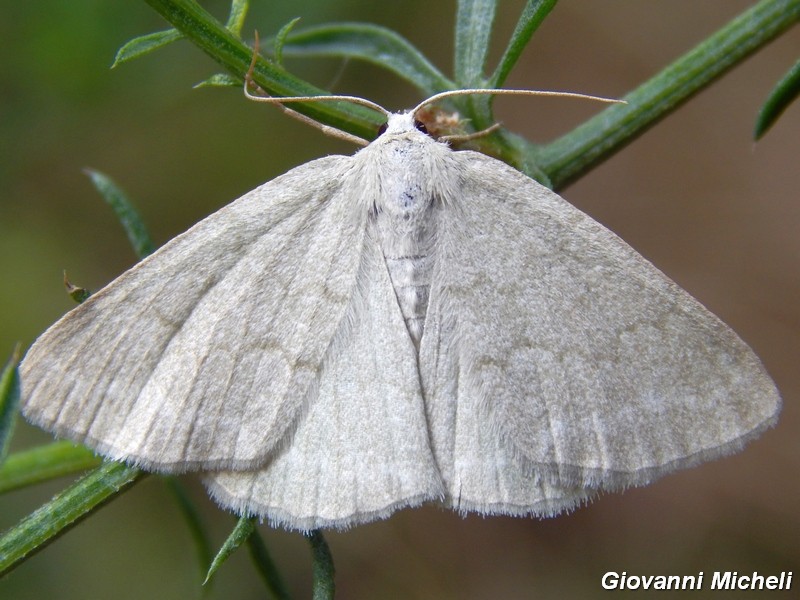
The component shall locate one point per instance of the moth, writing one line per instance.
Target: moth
(408, 324)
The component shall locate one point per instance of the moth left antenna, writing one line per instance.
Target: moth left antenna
(280, 101)
(508, 92)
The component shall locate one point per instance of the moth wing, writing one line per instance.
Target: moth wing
(362, 449)
(203, 355)
(592, 367)
(481, 470)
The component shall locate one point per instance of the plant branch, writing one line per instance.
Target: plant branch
(562, 160)
(572, 155)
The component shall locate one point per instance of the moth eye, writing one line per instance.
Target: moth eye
(382, 129)
(420, 126)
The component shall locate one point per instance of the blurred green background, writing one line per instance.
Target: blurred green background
(717, 213)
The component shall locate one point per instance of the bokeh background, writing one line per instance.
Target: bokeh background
(715, 211)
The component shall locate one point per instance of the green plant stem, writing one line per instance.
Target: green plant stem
(324, 587)
(37, 465)
(572, 155)
(214, 39)
(64, 511)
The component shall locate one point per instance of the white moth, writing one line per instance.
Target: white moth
(407, 324)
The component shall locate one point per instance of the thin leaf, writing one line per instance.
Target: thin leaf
(9, 401)
(237, 16)
(144, 44)
(324, 587)
(126, 213)
(280, 41)
(474, 20)
(374, 44)
(202, 544)
(63, 512)
(37, 465)
(266, 568)
(220, 80)
(532, 16)
(244, 528)
(780, 98)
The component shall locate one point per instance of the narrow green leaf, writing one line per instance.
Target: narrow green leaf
(202, 544)
(266, 568)
(9, 401)
(780, 98)
(474, 20)
(144, 44)
(244, 528)
(63, 512)
(324, 587)
(371, 43)
(220, 80)
(126, 213)
(237, 16)
(43, 463)
(280, 41)
(532, 16)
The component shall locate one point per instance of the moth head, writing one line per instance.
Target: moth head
(400, 123)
